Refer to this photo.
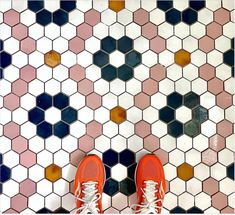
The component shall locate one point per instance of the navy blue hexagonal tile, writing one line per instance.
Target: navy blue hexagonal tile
(189, 16)
(1, 45)
(111, 187)
(177, 210)
(0, 159)
(232, 43)
(5, 173)
(5, 59)
(125, 73)
(61, 129)
(191, 100)
(100, 58)
(200, 114)
(60, 17)
(164, 4)
(175, 128)
(131, 171)
(44, 17)
(229, 57)
(60, 101)
(194, 210)
(44, 129)
(125, 44)
(36, 5)
(197, 4)
(69, 115)
(127, 187)
(133, 58)
(107, 172)
(166, 114)
(230, 171)
(173, 16)
(44, 101)
(108, 44)
(44, 211)
(110, 158)
(68, 5)
(109, 73)
(36, 115)
(61, 211)
(1, 73)
(174, 100)
(0, 188)
(127, 157)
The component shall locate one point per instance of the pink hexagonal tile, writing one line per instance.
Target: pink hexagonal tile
(149, 30)
(20, 31)
(11, 17)
(210, 186)
(209, 157)
(94, 129)
(11, 102)
(158, 72)
(207, 72)
(227, 210)
(163, 156)
(27, 187)
(92, 17)
(142, 129)
(19, 87)
(28, 158)
(224, 100)
(222, 16)
(28, 45)
(206, 44)
(219, 200)
(141, 16)
(151, 143)
(76, 45)
(225, 128)
(85, 87)
(77, 73)
(19, 202)
(150, 86)
(158, 44)
(215, 86)
(142, 101)
(11, 130)
(111, 210)
(28, 73)
(76, 157)
(10, 211)
(217, 142)
(86, 143)
(84, 31)
(214, 30)
(93, 101)
(19, 144)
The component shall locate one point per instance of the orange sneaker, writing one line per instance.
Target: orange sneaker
(88, 185)
(150, 185)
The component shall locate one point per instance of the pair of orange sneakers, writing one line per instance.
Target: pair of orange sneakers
(90, 178)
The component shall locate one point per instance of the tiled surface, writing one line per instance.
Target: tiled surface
(118, 79)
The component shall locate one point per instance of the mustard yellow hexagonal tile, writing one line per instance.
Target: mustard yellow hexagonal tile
(116, 5)
(53, 173)
(185, 171)
(52, 58)
(182, 58)
(118, 114)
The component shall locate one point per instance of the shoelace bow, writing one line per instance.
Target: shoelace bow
(150, 199)
(89, 199)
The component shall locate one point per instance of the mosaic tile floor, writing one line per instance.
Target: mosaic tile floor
(118, 79)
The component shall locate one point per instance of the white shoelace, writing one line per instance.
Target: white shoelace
(149, 205)
(89, 199)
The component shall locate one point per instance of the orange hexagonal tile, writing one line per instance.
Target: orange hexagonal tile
(53, 173)
(116, 5)
(52, 58)
(185, 171)
(182, 58)
(118, 114)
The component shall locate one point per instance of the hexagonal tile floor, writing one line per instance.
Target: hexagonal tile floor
(116, 78)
